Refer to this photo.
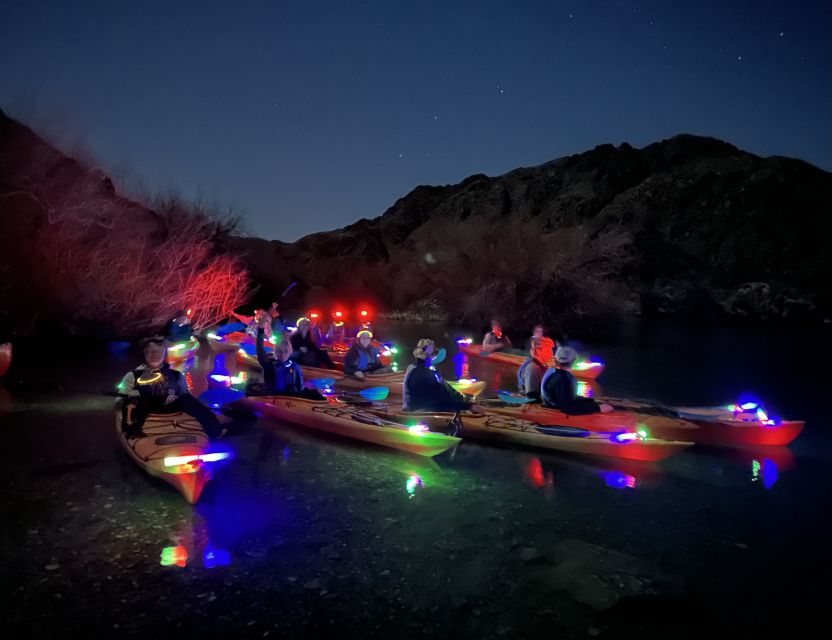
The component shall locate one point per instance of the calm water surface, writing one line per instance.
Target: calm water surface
(308, 536)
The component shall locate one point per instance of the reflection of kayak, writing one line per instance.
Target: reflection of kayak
(515, 430)
(5, 357)
(350, 422)
(174, 448)
(717, 426)
(582, 369)
(182, 349)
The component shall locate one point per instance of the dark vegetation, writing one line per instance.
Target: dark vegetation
(77, 257)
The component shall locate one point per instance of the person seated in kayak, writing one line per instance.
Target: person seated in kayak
(304, 350)
(180, 327)
(315, 328)
(531, 372)
(539, 333)
(495, 340)
(252, 322)
(559, 389)
(337, 333)
(282, 376)
(362, 356)
(276, 320)
(423, 388)
(154, 387)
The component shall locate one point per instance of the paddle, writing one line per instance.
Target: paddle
(510, 398)
(373, 394)
(440, 356)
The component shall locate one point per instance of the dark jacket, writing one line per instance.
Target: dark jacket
(298, 340)
(360, 359)
(559, 390)
(425, 391)
(529, 376)
(281, 377)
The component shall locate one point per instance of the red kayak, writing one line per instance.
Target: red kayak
(716, 426)
(582, 369)
(5, 357)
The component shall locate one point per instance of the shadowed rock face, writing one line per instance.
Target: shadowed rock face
(698, 222)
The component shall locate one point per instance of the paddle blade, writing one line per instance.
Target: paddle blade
(510, 398)
(440, 356)
(375, 394)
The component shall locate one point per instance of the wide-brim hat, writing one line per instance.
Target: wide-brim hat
(419, 351)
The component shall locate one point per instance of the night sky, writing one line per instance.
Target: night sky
(305, 116)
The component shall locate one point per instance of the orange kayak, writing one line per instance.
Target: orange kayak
(582, 369)
(351, 422)
(515, 430)
(174, 448)
(5, 357)
(716, 426)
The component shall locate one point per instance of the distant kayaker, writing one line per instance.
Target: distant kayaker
(337, 333)
(495, 340)
(559, 389)
(276, 320)
(362, 356)
(154, 387)
(282, 376)
(180, 327)
(547, 346)
(531, 372)
(304, 349)
(424, 390)
(315, 328)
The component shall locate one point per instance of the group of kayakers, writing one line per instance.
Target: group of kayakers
(155, 387)
(554, 385)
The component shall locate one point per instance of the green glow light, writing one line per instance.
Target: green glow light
(174, 556)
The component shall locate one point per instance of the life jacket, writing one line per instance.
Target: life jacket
(165, 384)
(366, 357)
(521, 372)
(286, 378)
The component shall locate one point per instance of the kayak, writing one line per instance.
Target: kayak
(175, 448)
(351, 422)
(515, 430)
(392, 380)
(715, 426)
(246, 355)
(182, 350)
(5, 357)
(338, 351)
(535, 412)
(583, 369)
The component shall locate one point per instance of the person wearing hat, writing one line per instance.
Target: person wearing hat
(495, 340)
(424, 390)
(362, 356)
(304, 349)
(180, 327)
(531, 372)
(281, 375)
(154, 387)
(559, 389)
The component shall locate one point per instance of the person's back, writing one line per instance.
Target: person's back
(422, 388)
(529, 377)
(559, 389)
